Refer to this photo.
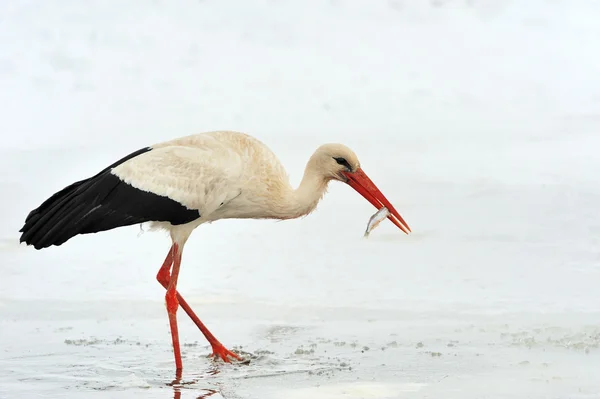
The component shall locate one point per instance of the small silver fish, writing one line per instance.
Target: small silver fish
(376, 219)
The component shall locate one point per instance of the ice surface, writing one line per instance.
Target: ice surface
(478, 119)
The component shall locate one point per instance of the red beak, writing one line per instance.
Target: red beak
(364, 186)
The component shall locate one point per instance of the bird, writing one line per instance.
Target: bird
(180, 184)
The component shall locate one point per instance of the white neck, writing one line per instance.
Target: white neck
(304, 199)
(311, 190)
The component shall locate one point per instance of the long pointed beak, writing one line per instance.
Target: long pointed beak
(360, 182)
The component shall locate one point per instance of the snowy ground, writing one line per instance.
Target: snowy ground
(478, 119)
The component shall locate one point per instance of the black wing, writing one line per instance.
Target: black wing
(100, 203)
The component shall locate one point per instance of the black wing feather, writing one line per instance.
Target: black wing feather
(100, 203)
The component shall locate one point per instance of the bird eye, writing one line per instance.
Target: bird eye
(343, 162)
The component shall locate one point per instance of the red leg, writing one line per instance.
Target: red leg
(163, 278)
(164, 273)
(172, 304)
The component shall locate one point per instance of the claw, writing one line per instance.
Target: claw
(224, 353)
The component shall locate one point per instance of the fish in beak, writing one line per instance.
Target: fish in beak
(360, 182)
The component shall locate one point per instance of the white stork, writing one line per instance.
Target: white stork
(180, 184)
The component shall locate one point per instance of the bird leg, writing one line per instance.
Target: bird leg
(173, 304)
(163, 278)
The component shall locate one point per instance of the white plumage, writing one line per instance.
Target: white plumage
(179, 184)
(202, 171)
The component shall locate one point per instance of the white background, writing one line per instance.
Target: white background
(478, 119)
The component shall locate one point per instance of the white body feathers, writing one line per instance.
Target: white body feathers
(223, 175)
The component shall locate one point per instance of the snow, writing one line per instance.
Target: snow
(477, 119)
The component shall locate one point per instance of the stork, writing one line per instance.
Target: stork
(180, 184)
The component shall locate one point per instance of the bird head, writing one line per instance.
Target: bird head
(338, 162)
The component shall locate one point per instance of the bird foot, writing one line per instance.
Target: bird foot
(219, 351)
